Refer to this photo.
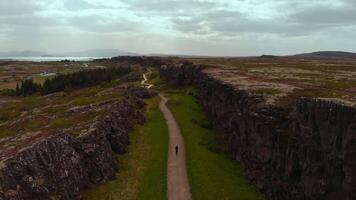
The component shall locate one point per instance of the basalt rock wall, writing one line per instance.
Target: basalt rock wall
(62, 166)
(305, 151)
(140, 60)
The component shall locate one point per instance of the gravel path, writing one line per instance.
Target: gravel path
(177, 179)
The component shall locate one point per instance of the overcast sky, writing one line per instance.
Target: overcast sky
(200, 27)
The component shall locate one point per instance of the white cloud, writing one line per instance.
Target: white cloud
(224, 27)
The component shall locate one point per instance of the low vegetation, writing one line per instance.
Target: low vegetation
(50, 113)
(142, 169)
(5, 133)
(282, 80)
(68, 81)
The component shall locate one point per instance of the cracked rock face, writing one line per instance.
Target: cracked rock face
(304, 151)
(61, 166)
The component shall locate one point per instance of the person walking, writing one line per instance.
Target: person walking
(177, 150)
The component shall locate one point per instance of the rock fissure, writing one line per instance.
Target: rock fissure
(304, 151)
(62, 166)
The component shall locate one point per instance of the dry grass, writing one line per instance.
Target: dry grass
(281, 79)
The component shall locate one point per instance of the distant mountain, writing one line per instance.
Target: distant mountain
(87, 53)
(21, 54)
(326, 55)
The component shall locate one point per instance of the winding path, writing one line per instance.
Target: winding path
(145, 80)
(177, 179)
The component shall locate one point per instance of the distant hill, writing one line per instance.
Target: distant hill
(269, 56)
(87, 53)
(326, 55)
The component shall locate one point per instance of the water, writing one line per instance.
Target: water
(43, 59)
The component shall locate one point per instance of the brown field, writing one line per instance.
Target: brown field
(24, 120)
(278, 80)
(281, 79)
(12, 72)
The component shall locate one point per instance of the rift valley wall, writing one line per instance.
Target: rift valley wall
(305, 151)
(61, 166)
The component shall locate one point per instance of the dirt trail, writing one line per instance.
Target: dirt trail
(145, 80)
(177, 179)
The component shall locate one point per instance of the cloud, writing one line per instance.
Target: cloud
(170, 7)
(78, 5)
(235, 26)
(17, 7)
(29, 21)
(327, 16)
(101, 24)
(300, 22)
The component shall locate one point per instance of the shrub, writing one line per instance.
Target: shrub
(65, 82)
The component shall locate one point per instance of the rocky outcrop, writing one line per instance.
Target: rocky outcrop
(140, 60)
(301, 152)
(61, 166)
(142, 92)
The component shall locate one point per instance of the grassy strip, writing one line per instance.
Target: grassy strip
(5, 133)
(212, 174)
(142, 169)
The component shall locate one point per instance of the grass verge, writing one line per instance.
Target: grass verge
(142, 169)
(212, 174)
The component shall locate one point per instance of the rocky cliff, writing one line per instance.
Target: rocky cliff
(304, 151)
(139, 60)
(62, 165)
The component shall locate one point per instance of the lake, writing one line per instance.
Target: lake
(43, 59)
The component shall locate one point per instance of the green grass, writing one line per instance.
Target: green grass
(11, 110)
(58, 123)
(5, 133)
(158, 83)
(142, 169)
(34, 124)
(83, 101)
(212, 174)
